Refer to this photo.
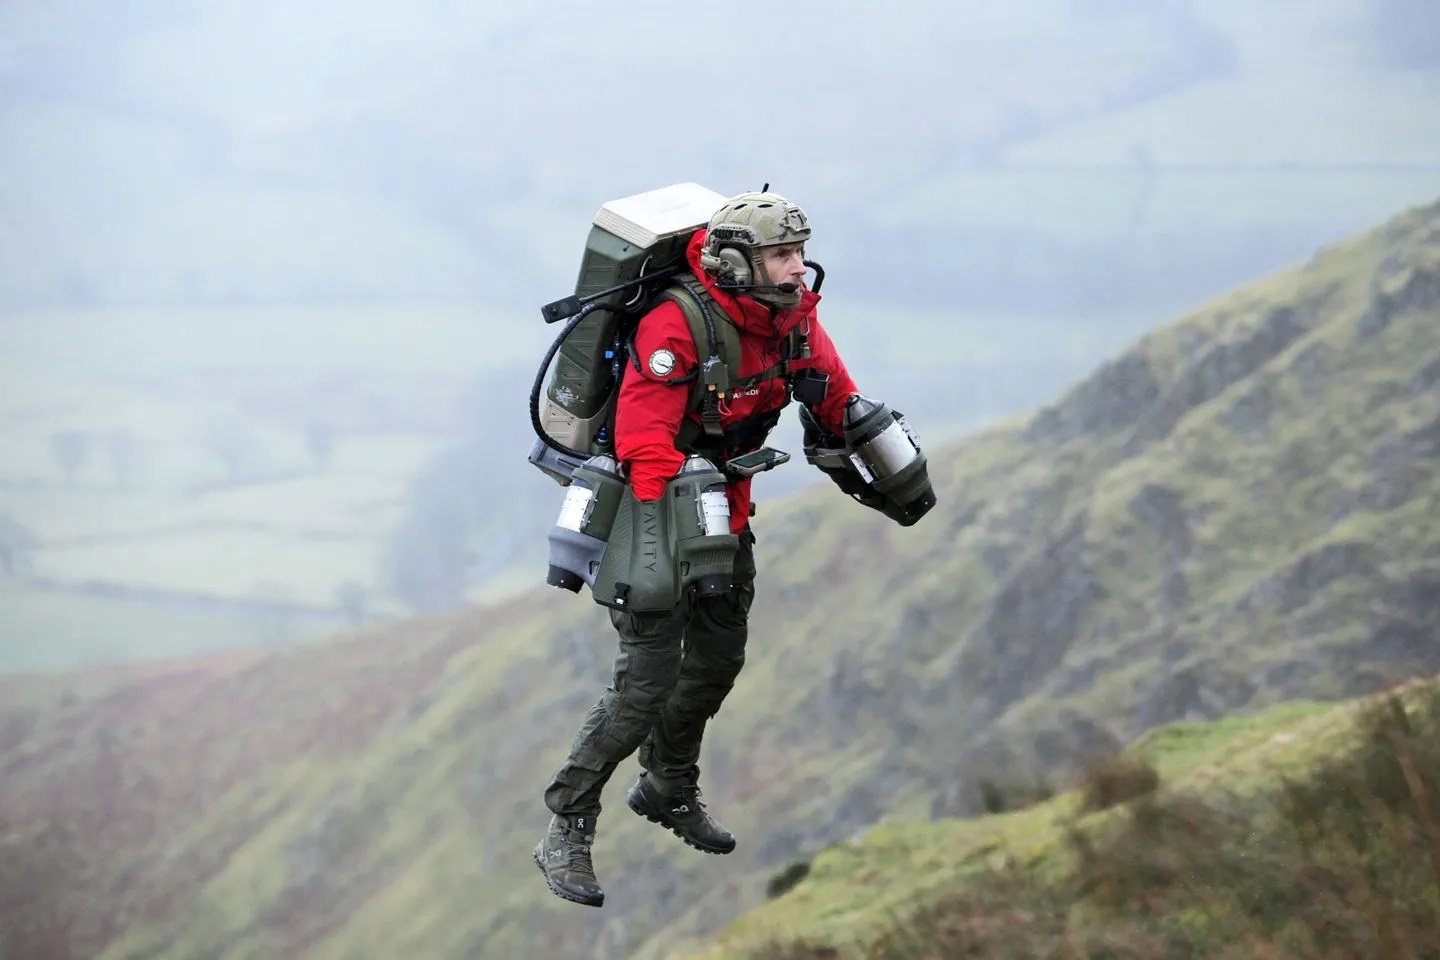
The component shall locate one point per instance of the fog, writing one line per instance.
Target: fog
(323, 232)
(275, 153)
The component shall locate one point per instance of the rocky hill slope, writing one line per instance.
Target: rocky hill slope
(1244, 508)
(1306, 831)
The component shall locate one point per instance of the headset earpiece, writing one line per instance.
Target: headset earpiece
(730, 266)
(734, 267)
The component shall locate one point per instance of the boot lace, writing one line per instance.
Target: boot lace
(577, 848)
(689, 791)
(688, 796)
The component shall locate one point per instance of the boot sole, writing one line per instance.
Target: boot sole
(584, 901)
(642, 811)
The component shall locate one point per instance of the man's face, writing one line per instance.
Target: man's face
(784, 263)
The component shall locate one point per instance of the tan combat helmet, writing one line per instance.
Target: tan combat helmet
(741, 228)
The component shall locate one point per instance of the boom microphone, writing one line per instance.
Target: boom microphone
(777, 287)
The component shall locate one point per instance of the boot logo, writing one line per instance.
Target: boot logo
(557, 854)
(683, 808)
(579, 823)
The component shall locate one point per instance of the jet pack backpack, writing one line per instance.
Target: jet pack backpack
(634, 258)
(635, 248)
(641, 556)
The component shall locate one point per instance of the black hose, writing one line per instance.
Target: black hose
(535, 389)
(566, 306)
(589, 306)
(585, 311)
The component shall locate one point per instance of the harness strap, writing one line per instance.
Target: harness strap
(714, 380)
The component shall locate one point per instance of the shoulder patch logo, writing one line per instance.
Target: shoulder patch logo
(662, 362)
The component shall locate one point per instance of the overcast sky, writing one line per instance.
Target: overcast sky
(166, 151)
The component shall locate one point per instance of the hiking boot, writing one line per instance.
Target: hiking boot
(682, 813)
(564, 857)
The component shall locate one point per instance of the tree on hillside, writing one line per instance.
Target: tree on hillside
(477, 507)
(234, 442)
(17, 544)
(125, 452)
(70, 448)
(427, 556)
(425, 562)
(320, 441)
(271, 602)
(353, 599)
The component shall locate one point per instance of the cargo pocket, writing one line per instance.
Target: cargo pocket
(647, 626)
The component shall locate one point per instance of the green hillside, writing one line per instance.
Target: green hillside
(163, 513)
(1238, 511)
(1306, 831)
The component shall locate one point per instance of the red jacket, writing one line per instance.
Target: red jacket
(648, 412)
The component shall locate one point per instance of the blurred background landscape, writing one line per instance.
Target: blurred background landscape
(1156, 281)
(270, 276)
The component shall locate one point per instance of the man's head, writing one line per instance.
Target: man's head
(758, 238)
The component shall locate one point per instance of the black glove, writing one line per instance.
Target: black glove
(828, 453)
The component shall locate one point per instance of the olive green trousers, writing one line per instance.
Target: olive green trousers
(672, 672)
